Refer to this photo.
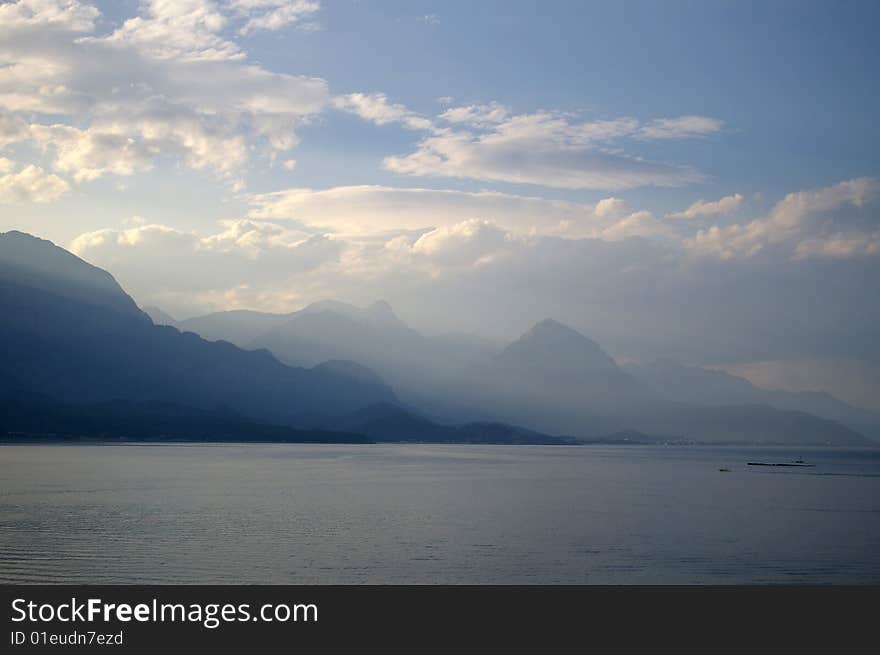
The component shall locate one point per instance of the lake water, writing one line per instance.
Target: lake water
(435, 514)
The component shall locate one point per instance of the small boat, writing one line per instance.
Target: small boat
(724, 470)
(798, 464)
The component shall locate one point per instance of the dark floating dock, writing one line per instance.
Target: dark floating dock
(793, 464)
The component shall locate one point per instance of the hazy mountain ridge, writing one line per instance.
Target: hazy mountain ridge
(39, 264)
(694, 384)
(84, 341)
(238, 326)
(552, 379)
(78, 359)
(87, 342)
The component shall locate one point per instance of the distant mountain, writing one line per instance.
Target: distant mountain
(555, 379)
(378, 314)
(417, 366)
(552, 359)
(159, 317)
(552, 379)
(70, 332)
(692, 384)
(244, 327)
(240, 327)
(330, 329)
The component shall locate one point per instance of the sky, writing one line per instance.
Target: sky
(696, 180)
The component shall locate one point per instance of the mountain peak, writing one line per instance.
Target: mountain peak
(552, 327)
(379, 312)
(40, 264)
(553, 347)
(380, 307)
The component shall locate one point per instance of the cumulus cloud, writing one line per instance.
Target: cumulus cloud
(834, 221)
(31, 184)
(168, 81)
(130, 144)
(67, 14)
(244, 264)
(466, 243)
(725, 205)
(12, 129)
(188, 29)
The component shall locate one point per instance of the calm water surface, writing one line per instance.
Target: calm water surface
(435, 514)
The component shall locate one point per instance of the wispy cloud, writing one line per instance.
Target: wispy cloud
(725, 205)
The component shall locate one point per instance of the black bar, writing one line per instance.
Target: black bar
(414, 618)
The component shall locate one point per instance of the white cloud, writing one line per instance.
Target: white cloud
(165, 82)
(835, 221)
(725, 205)
(545, 148)
(376, 108)
(130, 144)
(478, 115)
(840, 246)
(12, 130)
(489, 142)
(273, 15)
(65, 14)
(682, 127)
(638, 224)
(370, 210)
(31, 184)
(188, 29)
(246, 264)
(465, 243)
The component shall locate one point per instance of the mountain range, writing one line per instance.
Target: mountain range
(73, 339)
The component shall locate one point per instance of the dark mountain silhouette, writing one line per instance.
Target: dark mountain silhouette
(40, 418)
(36, 264)
(71, 333)
(389, 422)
